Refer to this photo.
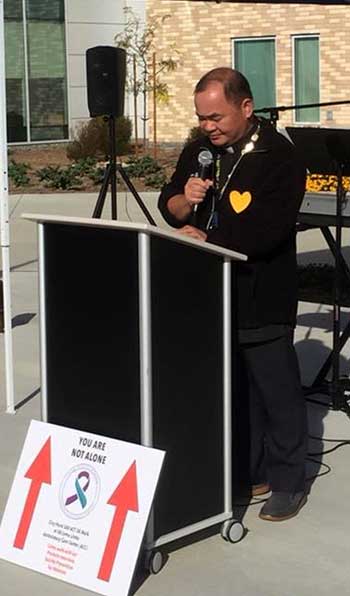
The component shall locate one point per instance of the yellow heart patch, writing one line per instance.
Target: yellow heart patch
(240, 201)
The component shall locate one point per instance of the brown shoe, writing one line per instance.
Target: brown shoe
(260, 489)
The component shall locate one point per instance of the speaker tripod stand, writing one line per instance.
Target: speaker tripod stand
(110, 178)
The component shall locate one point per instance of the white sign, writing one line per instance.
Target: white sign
(78, 507)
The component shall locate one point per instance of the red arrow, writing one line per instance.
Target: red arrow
(125, 499)
(39, 472)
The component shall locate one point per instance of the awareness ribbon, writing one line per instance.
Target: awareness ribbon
(80, 490)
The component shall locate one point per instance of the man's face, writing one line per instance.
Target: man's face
(221, 120)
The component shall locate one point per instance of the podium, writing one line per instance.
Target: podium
(136, 333)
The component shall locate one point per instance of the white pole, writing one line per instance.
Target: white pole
(4, 226)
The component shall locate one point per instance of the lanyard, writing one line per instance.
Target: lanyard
(220, 193)
(213, 220)
(248, 148)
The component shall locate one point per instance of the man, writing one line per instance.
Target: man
(249, 204)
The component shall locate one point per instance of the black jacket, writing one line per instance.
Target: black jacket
(260, 223)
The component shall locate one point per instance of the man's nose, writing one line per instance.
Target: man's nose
(208, 125)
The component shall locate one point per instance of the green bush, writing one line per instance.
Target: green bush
(97, 175)
(123, 135)
(60, 178)
(156, 180)
(84, 166)
(142, 166)
(18, 173)
(148, 168)
(92, 139)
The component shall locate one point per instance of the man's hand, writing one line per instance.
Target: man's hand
(181, 205)
(193, 233)
(195, 190)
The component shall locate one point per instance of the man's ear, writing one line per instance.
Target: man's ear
(247, 107)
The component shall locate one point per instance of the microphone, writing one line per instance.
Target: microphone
(205, 161)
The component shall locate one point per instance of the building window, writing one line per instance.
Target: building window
(255, 58)
(16, 98)
(36, 78)
(306, 77)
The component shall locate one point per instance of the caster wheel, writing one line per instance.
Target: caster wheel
(232, 531)
(154, 561)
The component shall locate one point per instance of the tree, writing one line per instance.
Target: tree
(138, 41)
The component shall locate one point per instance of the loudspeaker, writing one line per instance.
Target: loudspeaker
(106, 73)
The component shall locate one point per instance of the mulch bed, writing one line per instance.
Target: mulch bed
(40, 156)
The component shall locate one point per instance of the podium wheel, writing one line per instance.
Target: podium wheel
(154, 561)
(232, 531)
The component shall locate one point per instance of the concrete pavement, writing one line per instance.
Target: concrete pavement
(308, 553)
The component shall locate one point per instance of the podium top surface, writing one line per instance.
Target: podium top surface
(135, 227)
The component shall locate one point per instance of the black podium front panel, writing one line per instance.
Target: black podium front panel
(187, 373)
(94, 357)
(92, 337)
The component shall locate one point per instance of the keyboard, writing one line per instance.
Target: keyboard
(323, 203)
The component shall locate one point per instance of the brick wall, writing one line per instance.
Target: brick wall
(203, 32)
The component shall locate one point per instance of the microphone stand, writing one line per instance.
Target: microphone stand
(338, 388)
(274, 111)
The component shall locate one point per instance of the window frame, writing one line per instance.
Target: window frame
(25, 21)
(294, 38)
(258, 38)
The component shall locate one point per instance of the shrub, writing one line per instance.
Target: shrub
(57, 177)
(148, 168)
(92, 138)
(143, 166)
(97, 175)
(18, 173)
(123, 135)
(156, 180)
(84, 166)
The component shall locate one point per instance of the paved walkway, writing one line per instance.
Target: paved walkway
(307, 554)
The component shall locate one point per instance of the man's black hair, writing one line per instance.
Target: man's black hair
(236, 86)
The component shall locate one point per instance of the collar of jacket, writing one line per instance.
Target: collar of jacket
(262, 145)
